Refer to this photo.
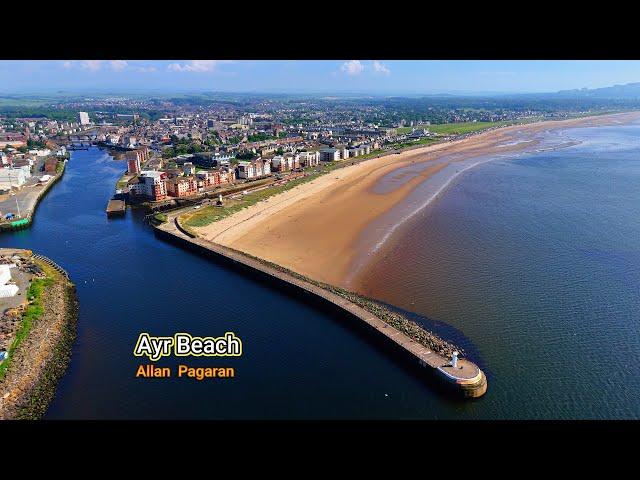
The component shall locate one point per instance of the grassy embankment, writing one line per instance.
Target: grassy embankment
(404, 130)
(413, 143)
(32, 313)
(462, 128)
(123, 180)
(443, 130)
(160, 217)
(452, 128)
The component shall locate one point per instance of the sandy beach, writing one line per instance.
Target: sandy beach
(315, 228)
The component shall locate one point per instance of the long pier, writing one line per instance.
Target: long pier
(465, 377)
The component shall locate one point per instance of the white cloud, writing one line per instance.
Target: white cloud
(352, 67)
(92, 65)
(67, 65)
(146, 69)
(118, 65)
(380, 67)
(194, 66)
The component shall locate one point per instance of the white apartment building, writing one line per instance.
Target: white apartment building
(84, 118)
(45, 152)
(12, 178)
(246, 170)
(329, 155)
(309, 159)
(150, 184)
(263, 167)
(189, 169)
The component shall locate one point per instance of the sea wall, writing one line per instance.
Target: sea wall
(426, 356)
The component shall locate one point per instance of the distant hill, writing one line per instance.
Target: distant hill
(627, 91)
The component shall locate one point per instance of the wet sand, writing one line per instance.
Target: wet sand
(317, 228)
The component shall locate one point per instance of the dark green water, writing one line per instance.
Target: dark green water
(535, 259)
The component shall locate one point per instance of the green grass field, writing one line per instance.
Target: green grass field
(462, 127)
(209, 214)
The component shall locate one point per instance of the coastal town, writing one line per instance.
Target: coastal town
(185, 156)
(193, 149)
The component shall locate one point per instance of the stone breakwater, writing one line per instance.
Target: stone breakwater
(384, 327)
(39, 361)
(410, 328)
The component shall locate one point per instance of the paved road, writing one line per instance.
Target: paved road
(26, 198)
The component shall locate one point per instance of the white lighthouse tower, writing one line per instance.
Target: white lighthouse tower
(454, 360)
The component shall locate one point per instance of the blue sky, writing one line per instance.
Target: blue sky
(339, 76)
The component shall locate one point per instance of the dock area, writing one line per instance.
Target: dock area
(17, 208)
(465, 377)
(116, 208)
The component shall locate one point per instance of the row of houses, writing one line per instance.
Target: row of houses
(158, 185)
(280, 163)
(342, 152)
(253, 168)
(187, 180)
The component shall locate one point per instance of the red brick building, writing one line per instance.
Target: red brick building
(181, 186)
(133, 165)
(50, 164)
(135, 159)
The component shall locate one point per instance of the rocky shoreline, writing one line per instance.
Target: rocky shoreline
(41, 358)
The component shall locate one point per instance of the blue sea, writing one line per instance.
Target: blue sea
(537, 260)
